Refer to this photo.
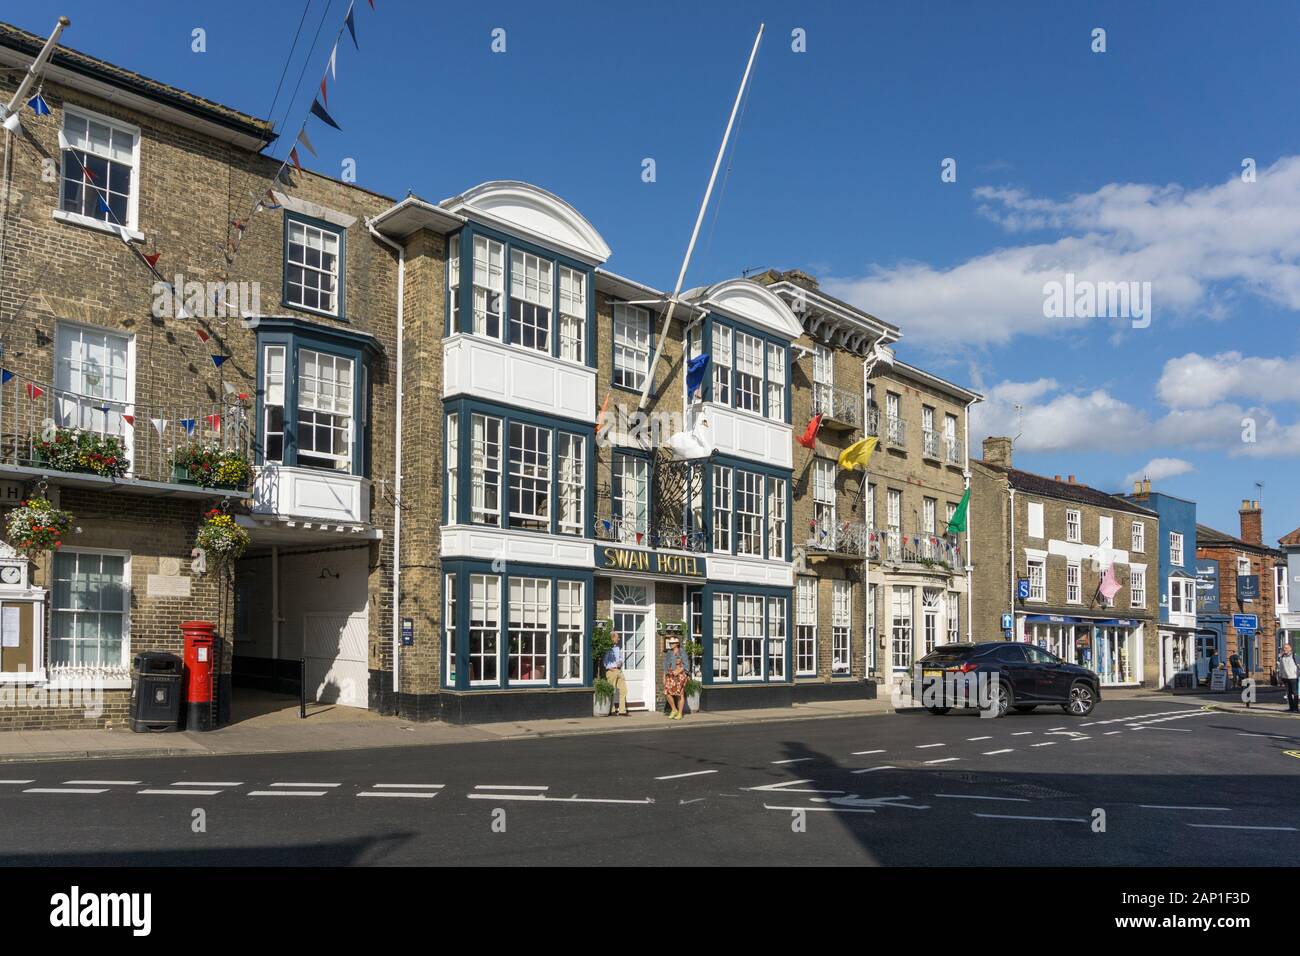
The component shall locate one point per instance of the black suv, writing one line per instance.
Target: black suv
(1026, 677)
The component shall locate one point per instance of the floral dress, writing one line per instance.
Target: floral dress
(675, 675)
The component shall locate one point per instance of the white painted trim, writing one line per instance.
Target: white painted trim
(133, 201)
(746, 301)
(76, 219)
(525, 547)
(531, 212)
(305, 207)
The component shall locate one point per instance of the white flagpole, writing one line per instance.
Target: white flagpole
(699, 221)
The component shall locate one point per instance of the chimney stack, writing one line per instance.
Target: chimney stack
(1072, 479)
(1137, 489)
(997, 451)
(1252, 522)
(1146, 487)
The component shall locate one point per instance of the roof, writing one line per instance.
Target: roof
(1033, 484)
(66, 60)
(964, 395)
(1290, 540)
(1209, 537)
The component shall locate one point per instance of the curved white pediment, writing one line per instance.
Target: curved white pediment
(751, 302)
(532, 213)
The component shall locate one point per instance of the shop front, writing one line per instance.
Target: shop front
(1112, 647)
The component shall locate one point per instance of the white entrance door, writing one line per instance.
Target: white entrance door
(337, 665)
(633, 611)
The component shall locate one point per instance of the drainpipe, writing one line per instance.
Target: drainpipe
(1011, 523)
(397, 464)
(970, 536)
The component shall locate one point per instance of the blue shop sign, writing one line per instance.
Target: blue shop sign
(1248, 587)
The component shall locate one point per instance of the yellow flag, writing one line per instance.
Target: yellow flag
(859, 453)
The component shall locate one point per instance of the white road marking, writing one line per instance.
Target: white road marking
(788, 786)
(287, 793)
(853, 800)
(679, 776)
(1046, 743)
(928, 746)
(1277, 736)
(1112, 733)
(307, 785)
(1080, 737)
(979, 738)
(418, 794)
(994, 753)
(1002, 816)
(543, 798)
(823, 809)
(192, 793)
(870, 769)
(61, 790)
(976, 796)
(208, 783)
(17, 781)
(1023, 733)
(1055, 729)
(1162, 806)
(1228, 826)
(863, 753)
(508, 786)
(1090, 723)
(408, 786)
(1178, 730)
(943, 760)
(792, 760)
(102, 783)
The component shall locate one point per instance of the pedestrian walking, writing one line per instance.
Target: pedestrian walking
(1238, 672)
(1288, 672)
(676, 675)
(614, 674)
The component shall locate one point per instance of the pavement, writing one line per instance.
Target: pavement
(265, 723)
(1141, 782)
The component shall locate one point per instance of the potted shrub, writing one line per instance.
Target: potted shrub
(692, 692)
(602, 639)
(602, 697)
(86, 452)
(220, 538)
(36, 526)
(210, 466)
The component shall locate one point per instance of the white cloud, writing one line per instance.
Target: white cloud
(1160, 469)
(1199, 248)
(1195, 381)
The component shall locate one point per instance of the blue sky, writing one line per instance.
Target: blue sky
(1118, 166)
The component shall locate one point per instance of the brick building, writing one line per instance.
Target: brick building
(1238, 585)
(279, 370)
(1061, 538)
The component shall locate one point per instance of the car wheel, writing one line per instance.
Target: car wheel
(1025, 708)
(1001, 702)
(1082, 700)
(939, 710)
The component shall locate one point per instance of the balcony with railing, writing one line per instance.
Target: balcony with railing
(660, 536)
(892, 546)
(953, 453)
(843, 539)
(930, 443)
(198, 449)
(840, 408)
(895, 431)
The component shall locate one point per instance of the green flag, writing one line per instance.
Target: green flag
(958, 522)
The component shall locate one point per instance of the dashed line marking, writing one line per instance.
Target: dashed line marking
(791, 760)
(1007, 816)
(928, 746)
(1112, 733)
(311, 786)
(863, 753)
(977, 796)
(17, 782)
(62, 790)
(1229, 826)
(509, 786)
(823, 809)
(979, 738)
(1022, 733)
(679, 776)
(1046, 743)
(416, 794)
(543, 798)
(994, 753)
(182, 792)
(942, 760)
(871, 769)
(1162, 806)
(208, 783)
(102, 783)
(408, 786)
(287, 793)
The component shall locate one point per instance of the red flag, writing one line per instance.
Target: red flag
(152, 258)
(129, 419)
(604, 407)
(639, 536)
(324, 95)
(203, 336)
(293, 154)
(89, 175)
(214, 422)
(34, 391)
(809, 436)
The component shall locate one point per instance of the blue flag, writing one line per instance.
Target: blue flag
(5, 376)
(103, 206)
(351, 21)
(695, 369)
(319, 111)
(188, 425)
(39, 106)
(219, 360)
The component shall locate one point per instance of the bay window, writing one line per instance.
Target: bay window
(485, 469)
(722, 637)
(776, 637)
(749, 372)
(489, 286)
(453, 281)
(749, 513)
(449, 629)
(570, 621)
(530, 301)
(273, 391)
(749, 637)
(573, 314)
(572, 479)
(453, 467)
(324, 410)
(1182, 594)
(530, 476)
(776, 519)
(722, 509)
(721, 361)
(529, 630)
(775, 382)
(484, 629)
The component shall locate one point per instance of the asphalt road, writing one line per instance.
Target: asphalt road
(1177, 785)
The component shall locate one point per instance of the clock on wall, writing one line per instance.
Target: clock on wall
(11, 575)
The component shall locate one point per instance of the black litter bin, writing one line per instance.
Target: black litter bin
(156, 692)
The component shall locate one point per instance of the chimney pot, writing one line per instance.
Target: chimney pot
(1252, 522)
(1072, 479)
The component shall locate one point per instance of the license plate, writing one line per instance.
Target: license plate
(931, 675)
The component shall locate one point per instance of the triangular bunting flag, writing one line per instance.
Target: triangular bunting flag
(63, 141)
(282, 175)
(214, 422)
(203, 336)
(302, 138)
(809, 437)
(152, 258)
(639, 536)
(39, 106)
(334, 56)
(129, 419)
(158, 425)
(351, 22)
(319, 112)
(34, 391)
(188, 425)
(293, 154)
(372, 4)
(604, 407)
(103, 206)
(5, 376)
(219, 360)
(270, 202)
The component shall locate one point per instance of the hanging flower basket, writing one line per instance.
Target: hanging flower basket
(222, 539)
(36, 526)
(86, 452)
(211, 466)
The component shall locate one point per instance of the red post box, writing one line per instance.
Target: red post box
(198, 673)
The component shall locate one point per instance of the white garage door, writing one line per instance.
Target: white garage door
(337, 665)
